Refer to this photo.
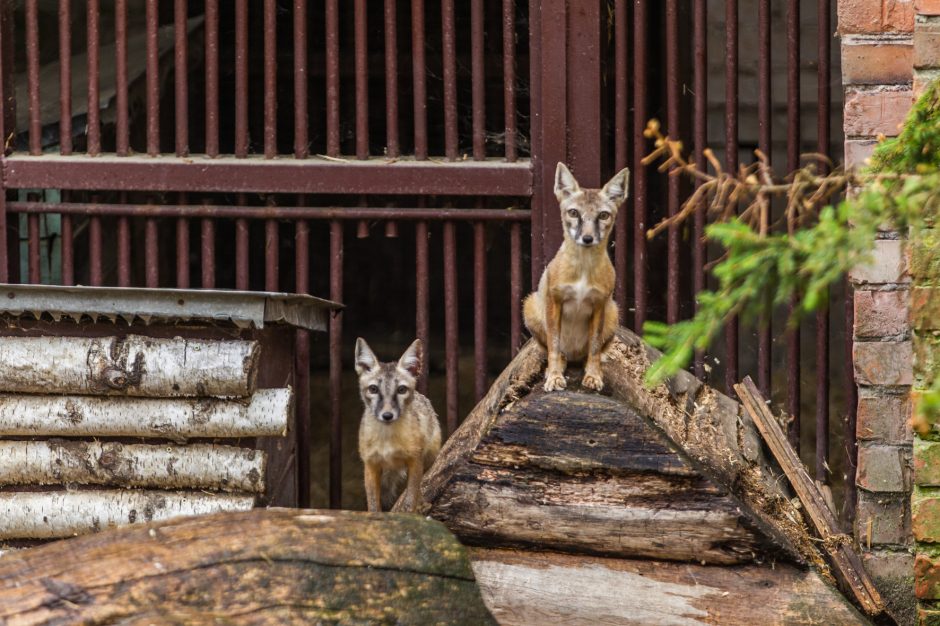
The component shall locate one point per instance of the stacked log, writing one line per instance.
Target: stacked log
(69, 405)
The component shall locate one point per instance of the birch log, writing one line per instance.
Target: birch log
(132, 365)
(196, 466)
(57, 514)
(265, 415)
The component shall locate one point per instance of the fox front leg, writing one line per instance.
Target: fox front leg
(373, 477)
(555, 371)
(593, 375)
(413, 490)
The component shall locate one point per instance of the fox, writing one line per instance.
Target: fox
(573, 314)
(399, 433)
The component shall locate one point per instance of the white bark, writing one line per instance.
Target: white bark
(56, 514)
(196, 466)
(134, 366)
(265, 415)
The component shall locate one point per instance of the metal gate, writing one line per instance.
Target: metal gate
(296, 144)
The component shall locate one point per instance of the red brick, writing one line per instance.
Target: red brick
(889, 517)
(888, 265)
(883, 417)
(925, 517)
(881, 313)
(926, 463)
(925, 308)
(871, 112)
(883, 362)
(875, 16)
(898, 16)
(893, 573)
(926, 577)
(881, 63)
(926, 43)
(927, 7)
(883, 468)
(858, 151)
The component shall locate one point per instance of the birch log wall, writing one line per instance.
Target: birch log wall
(98, 432)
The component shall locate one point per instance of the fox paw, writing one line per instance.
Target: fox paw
(554, 382)
(593, 381)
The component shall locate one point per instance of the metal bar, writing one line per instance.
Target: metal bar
(336, 366)
(583, 97)
(731, 157)
(181, 91)
(271, 249)
(95, 266)
(256, 175)
(478, 94)
(241, 253)
(509, 77)
(301, 135)
(479, 309)
(540, 165)
(151, 254)
(822, 316)
(392, 146)
(515, 288)
(207, 253)
(94, 79)
(153, 79)
(851, 401)
(32, 76)
(672, 194)
(65, 77)
(639, 151)
(33, 247)
(332, 78)
(270, 79)
(451, 329)
(361, 43)
(123, 251)
(422, 327)
(302, 365)
(764, 112)
(244, 213)
(793, 161)
(241, 78)
(450, 79)
(212, 78)
(182, 253)
(122, 131)
(68, 249)
(418, 70)
(700, 137)
(621, 148)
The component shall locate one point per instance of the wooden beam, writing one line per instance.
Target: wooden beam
(838, 546)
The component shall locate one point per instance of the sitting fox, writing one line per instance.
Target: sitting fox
(573, 314)
(399, 432)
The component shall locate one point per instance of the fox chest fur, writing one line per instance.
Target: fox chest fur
(391, 445)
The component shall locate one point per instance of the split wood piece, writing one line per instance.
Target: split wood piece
(265, 414)
(57, 514)
(266, 566)
(196, 466)
(522, 588)
(132, 365)
(845, 560)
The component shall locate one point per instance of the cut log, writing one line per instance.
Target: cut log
(265, 414)
(132, 365)
(273, 566)
(196, 466)
(523, 588)
(57, 514)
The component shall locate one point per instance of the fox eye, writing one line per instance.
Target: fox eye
(573, 213)
(373, 389)
(402, 390)
(604, 215)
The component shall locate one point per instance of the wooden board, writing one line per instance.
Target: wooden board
(274, 566)
(524, 588)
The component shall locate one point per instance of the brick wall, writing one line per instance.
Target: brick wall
(878, 56)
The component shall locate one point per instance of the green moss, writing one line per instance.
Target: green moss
(917, 149)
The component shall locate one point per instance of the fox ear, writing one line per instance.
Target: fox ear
(565, 184)
(365, 358)
(617, 188)
(411, 359)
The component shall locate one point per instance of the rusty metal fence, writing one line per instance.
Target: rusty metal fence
(248, 144)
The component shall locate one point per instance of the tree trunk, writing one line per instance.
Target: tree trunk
(132, 365)
(196, 466)
(264, 415)
(57, 514)
(266, 566)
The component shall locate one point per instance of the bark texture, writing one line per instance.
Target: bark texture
(266, 413)
(274, 566)
(132, 365)
(57, 514)
(196, 466)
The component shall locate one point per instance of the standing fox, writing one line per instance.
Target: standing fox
(399, 432)
(573, 314)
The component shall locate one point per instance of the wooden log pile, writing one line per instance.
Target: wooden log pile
(99, 432)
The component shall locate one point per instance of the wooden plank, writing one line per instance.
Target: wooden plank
(845, 560)
(266, 566)
(523, 588)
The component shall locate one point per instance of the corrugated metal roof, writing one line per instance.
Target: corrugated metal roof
(245, 309)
